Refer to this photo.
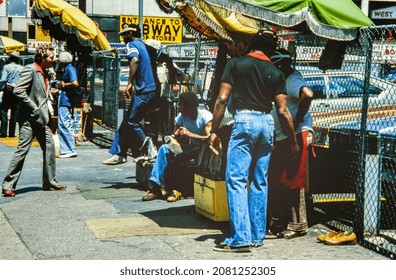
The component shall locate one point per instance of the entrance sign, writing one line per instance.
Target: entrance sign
(167, 30)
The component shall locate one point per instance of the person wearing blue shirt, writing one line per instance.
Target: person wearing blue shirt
(66, 97)
(142, 89)
(192, 128)
(9, 77)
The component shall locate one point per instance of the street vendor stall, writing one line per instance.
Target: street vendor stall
(324, 36)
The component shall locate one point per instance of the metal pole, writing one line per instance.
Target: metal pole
(141, 15)
(365, 7)
(361, 184)
(196, 66)
(10, 27)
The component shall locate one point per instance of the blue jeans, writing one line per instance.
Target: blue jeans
(66, 140)
(248, 157)
(161, 163)
(130, 134)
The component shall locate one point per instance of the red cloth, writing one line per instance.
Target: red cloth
(39, 69)
(294, 175)
(259, 56)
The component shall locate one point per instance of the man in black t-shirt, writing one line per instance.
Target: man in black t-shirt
(255, 83)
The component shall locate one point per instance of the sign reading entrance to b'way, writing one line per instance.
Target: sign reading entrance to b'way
(167, 30)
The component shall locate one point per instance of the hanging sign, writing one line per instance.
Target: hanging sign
(385, 13)
(167, 30)
(74, 3)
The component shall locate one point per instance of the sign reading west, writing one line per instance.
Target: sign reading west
(385, 13)
(165, 29)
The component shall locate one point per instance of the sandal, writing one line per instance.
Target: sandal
(174, 196)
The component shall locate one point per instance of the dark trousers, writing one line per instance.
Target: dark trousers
(27, 132)
(10, 102)
(131, 134)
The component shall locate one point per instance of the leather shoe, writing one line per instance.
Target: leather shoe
(8, 193)
(151, 196)
(55, 188)
(321, 238)
(342, 238)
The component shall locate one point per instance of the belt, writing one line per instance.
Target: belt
(8, 86)
(251, 111)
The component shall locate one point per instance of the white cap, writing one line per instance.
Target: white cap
(154, 43)
(15, 53)
(65, 57)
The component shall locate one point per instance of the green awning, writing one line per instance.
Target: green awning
(333, 19)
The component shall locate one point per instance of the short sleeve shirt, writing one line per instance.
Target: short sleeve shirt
(10, 74)
(66, 96)
(294, 83)
(144, 78)
(255, 83)
(195, 126)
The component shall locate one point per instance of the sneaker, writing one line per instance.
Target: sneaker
(231, 249)
(152, 151)
(68, 155)
(144, 143)
(116, 159)
(174, 146)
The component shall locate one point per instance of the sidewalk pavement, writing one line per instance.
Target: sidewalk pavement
(101, 217)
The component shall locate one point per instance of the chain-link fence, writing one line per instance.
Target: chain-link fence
(352, 167)
(104, 82)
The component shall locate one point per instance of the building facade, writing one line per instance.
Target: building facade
(110, 15)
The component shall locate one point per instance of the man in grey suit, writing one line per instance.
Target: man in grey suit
(34, 117)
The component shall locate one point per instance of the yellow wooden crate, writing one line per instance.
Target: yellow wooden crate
(211, 198)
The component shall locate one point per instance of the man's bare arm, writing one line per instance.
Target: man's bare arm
(133, 66)
(286, 121)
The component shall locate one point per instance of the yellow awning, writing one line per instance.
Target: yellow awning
(8, 45)
(72, 20)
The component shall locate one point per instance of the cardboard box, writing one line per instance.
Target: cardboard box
(211, 198)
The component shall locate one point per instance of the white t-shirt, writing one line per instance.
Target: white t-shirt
(195, 126)
(293, 85)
